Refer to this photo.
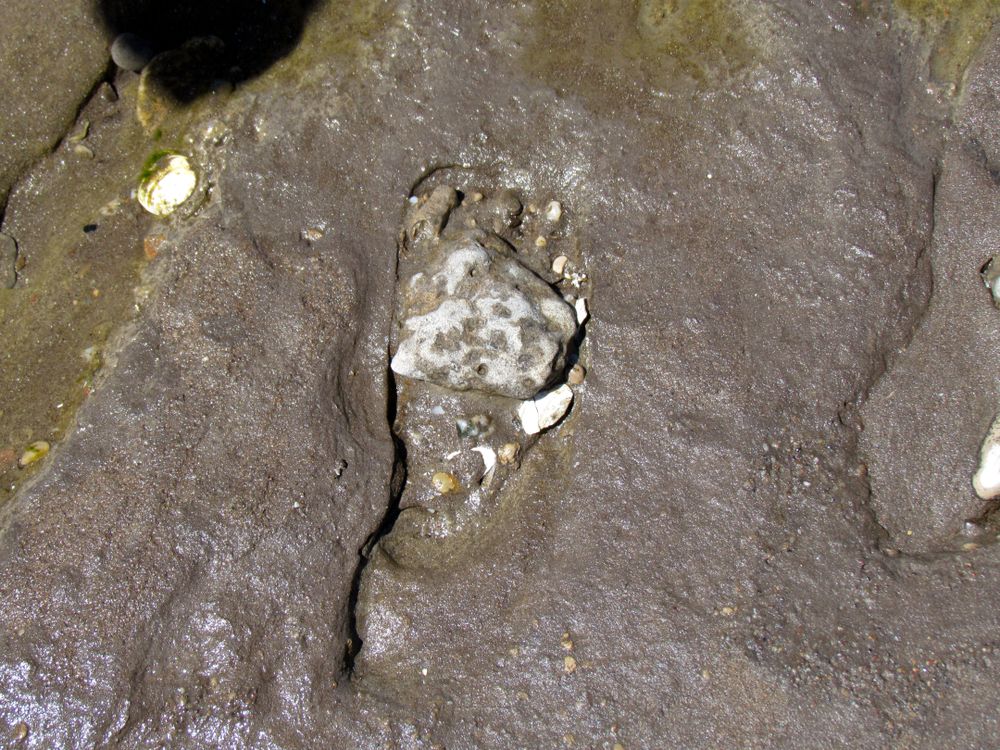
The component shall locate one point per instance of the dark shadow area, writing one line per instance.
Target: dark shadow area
(208, 41)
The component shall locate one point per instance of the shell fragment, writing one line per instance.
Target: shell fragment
(489, 463)
(489, 457)
(34, 452)
(986, 480)
(544, 410)
(166, 184)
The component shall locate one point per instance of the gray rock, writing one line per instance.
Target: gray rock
(131, 52)
(482, 321)
(52, 55)
(8, 257)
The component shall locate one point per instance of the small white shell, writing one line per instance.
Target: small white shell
(559, 264)
(489, 463)
(986, 480)
(553, 211)
(545, 409)
(489, 457)
(167, 185)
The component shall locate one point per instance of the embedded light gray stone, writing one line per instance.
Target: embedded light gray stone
(482, 321)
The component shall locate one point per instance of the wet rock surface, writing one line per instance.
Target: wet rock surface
(256, 536)
(52, 56)
(920, 481)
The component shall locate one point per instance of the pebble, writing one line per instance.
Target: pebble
(20, 731)
(444, 482)
(569, 664)
(131, 52)
(991, 278)
(559, 264)
(582, 313)
(986, 480)
(475, 426)
(81, 132)
(469, 299)
(577, 374)
(35, 452)
(312, 234)
(553, 211)
(508, 453)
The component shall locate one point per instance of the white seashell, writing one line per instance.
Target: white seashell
(986, 480)
(489, 463)
(167, 184)
(489, 457)
(559, 264)
(553, 211)
(581, 311)
(545, 409)
(991, 278)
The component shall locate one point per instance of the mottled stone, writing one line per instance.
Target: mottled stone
(480, 320)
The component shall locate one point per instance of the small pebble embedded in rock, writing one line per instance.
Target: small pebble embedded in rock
(445, 483)
(34, 452)
(986, 480)
(131, 52)
(508, 453)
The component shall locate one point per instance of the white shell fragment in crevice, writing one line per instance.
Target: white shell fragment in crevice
(544, 410)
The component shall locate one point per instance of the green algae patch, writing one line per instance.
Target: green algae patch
(81, 253)
(954, 29)
(596, 47)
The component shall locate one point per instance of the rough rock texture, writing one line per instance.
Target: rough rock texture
(52, 53)
(481, 320)
(694, 558)
(927, 418)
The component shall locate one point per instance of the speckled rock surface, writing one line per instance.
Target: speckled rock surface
(52, 54)
(770, 202)
(928, 416)
(480, 320)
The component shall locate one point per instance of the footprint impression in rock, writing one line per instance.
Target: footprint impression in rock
(488, 325)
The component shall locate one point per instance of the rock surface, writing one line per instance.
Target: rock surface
(710, 551)
(52, 54)
(921, 481)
